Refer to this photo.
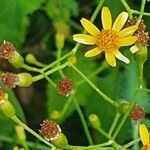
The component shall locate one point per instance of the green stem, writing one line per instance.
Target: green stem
(39, 64)
(29, 68)
(58, 64)
(83, 121)
(114, 123)
(39, 77)
(133, 100)
(101, 68)
(112, 142)
(50, 81)
(55, 62)
(127, 7)
(146, 90)
(97, 10)
(30, 144)
(142, 10)
(135, 126)
(66, 106)
(106, 98)
(131, 143)
(137, 12)
(75, 25)
(16, 120)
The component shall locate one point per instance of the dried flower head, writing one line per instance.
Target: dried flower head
(137, 113)
(109, 39)
(64, 86)
(7, 50)
(10, 79)
(143, 36)
(50, 130)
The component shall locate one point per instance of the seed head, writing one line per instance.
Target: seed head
(7, 50)
(137, 113)
(143, 36)
(64, 86)
(50, 130)
(10, 79)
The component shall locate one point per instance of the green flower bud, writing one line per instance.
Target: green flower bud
(94, 120)
(123, 107)
(30, 58)
(55, 115)
(61, 141)
(141, 55)
(59, 41)
(20, 133)
(17, 60)
(6, 108)
(25, 79)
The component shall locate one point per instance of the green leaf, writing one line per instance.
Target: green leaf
(14, 20)
(61, 10)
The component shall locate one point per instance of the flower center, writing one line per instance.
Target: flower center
(146, 147)
(107, 40)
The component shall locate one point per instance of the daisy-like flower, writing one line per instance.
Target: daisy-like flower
(110, 38)
(144, 136)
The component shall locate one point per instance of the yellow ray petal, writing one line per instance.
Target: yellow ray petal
(120, 21)
(106, 18)
(110, 58)
(93, 52)
(144, 135)
(84, 39)
(126, 41)
(121, 57)
(128, 31)
(89, 27)
(134, 49)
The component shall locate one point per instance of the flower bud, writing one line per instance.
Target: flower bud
(25, 79)
(17, 60)
(123, 107)
(30, 58)
(72, 60)
(141, 55)
(11, 79)
(137, 113)
(8, 51)
(55, 115)
(94, 120)
(65, 86)
(59, 41)
(61, 142)
(20, 133)
(52, 132)
(6, 108)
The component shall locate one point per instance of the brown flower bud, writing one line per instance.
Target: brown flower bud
(9, 79)
(137, 113)
(65, 86)
(50, 130)
(7, 50)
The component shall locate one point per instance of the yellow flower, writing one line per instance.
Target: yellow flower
(144, 135)
(110, 38)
